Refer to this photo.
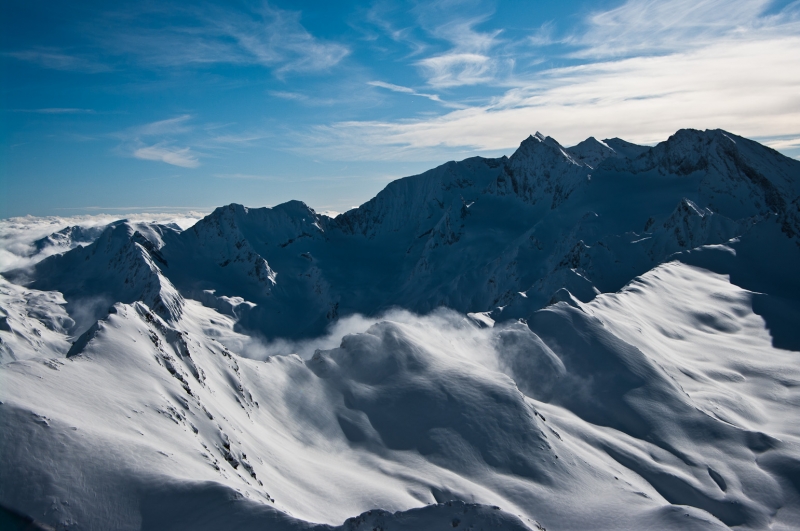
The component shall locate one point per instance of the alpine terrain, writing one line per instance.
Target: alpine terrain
(603, 337)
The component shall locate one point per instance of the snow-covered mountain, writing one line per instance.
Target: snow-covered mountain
(601, 336)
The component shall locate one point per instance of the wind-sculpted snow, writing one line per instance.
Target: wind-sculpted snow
(596, 337)
(35, 323)
(165, 421)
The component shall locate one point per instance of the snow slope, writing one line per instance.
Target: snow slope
(599, 337)
(609, 397)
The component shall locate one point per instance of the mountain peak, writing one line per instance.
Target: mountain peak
(625, 148)
(591, 152)
(695, 140)
(227, 210)
(294, 208)
(534, 143)
(542, 169)
(537, 138)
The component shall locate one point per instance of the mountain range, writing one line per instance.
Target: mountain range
(602, 336)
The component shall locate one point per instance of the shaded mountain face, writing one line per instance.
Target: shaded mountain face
(121, 265)
(618, 351)
(478, 235)
(67, 238)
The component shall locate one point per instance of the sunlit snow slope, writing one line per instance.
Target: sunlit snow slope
(599, 337)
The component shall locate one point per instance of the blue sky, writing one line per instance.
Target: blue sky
(147, 106)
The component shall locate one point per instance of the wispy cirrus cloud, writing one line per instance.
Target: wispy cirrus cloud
(705, 89)
(457, 69)
(58, 59)
(265, 36)
(403, 90)
(170, 126)
(738, 72)
(446, 45)
(469, 60)
(180, 141)
(157, 141)
(312, 100)
(244, 139)
(462, 33)
(278, 38)
(289, 95)
(648, 26)
(182, 157)
(382, 15)
(173, 36)
(544, 35)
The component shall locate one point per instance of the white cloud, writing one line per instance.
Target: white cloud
(457, 69)
(404, 90)
(264, 35)
(158, 140)
(390, 86)
(169, 126)
(744, 79)
(57, 59)
(470, 58)
(382, 14)
(646, 26)
(544, 35)
(246, 139)
(162, 36)
(462, 34)
(18, 235)
(164, 134)
(182, 157)
(287, 95)
(303, 98)
(784, 143)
